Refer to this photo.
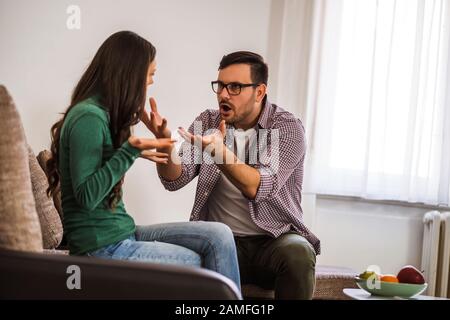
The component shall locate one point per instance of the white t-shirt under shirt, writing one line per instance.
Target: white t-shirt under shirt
(226, 203)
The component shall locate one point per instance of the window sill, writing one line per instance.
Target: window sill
(384, 202)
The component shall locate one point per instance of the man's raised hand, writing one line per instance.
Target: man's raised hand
(210, 143)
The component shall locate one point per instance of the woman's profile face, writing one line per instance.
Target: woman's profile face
(151, 72)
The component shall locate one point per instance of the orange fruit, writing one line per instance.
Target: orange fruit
(389, 278)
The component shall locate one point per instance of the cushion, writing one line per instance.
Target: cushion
(19, 222)
(42, 158)
(50, 221)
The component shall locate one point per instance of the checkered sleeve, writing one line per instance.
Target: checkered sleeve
(282, 155)
(187, 174)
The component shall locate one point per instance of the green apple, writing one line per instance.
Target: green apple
(368, 274)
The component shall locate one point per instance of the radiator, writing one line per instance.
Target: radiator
(436, 253)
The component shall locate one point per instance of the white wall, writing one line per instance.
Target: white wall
(41, 61)
(357, 234)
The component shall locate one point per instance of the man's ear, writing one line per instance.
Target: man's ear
(261, 92)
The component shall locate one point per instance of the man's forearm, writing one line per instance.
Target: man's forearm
(243, 177)
(172, 170)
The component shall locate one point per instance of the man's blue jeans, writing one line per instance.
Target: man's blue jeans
(197, 243)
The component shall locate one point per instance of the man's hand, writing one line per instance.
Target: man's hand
(242, 176)
(213, 143)
(154, 122)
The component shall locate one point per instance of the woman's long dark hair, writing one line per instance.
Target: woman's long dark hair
(118, 75)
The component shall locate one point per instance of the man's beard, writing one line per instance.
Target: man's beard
(247, 107)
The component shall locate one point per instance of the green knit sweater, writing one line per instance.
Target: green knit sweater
(90, 167)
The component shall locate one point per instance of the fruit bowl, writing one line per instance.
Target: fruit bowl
(391, 289)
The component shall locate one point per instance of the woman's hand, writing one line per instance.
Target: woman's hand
(148, 144)
(145, 145)
(154, 122)
(157, 157)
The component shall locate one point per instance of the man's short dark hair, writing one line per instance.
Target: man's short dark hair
(259, 70)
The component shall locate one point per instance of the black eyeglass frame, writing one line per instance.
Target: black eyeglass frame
(226, 86)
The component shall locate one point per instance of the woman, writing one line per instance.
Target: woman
(92, 149)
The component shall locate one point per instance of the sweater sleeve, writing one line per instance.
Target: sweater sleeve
(92, 181)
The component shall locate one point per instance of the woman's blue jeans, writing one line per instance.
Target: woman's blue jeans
(197, 243)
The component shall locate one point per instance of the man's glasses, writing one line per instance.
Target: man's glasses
(233, 88)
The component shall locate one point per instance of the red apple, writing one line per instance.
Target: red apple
(409, 274)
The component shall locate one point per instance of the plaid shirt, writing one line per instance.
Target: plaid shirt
(277, 205)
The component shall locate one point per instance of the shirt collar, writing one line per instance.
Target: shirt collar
(264, 117)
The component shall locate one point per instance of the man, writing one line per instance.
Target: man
(258, 195)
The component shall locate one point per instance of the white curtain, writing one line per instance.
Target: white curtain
(376, 103)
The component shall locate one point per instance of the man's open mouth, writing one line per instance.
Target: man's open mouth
(225, 107)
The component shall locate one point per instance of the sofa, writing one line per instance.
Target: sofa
(34, 264)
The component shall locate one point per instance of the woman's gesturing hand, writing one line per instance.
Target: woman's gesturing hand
(157, 157)
(154, 122)
(146, 145)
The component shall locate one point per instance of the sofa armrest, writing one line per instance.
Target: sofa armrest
(25, 275)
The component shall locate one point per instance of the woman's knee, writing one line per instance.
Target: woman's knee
(218, 233)
(218, 230)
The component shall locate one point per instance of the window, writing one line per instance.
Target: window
(382, 107)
